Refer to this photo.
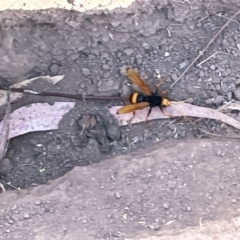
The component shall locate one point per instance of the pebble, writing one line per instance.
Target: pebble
(128, 51)
(229, 96)
(38, 202)
(126, 90)
(5, 166)
(224, 87)
(174, 76)
(86, 71)
(215, 80)
(114, 132)
(190, 88)
(166, 54)
(183, 64)
(105, 67)
(109, 86)
(201, 74)
(166, 205)
(26, 216)
(139, 58)
(54, 68)
(212, 67)
(218, 100)
(118, 195)
(237, 93)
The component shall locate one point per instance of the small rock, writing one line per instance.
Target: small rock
(146, 45)
(26, 216)
(166, 54)
(172, 126)
(234, 201)
(229, 96)
(128, 51)
(224, 87)
(105, 67)
(74, 56)
(174, 76)
(5, 166)
(157, 71)
(212, 67)
(201, 74)
(86, 71)
(166, 205)
(108, 86)
(114, 132)
(237, 93)
(126, 90)
(154, 226)
(38, 202)
(209, 101)
(54, 68)
(215, 80)
(183, 64)
(218, 100)
(190, 88)
(139, 59)
(219, 152)
(118, 195)
(189, 209)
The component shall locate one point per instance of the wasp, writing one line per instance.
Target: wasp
(147, 98)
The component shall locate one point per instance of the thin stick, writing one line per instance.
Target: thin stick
(65, 95)
(207, 59)
(202, 52)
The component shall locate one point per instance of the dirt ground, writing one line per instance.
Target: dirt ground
(132, 192)
(168, 186)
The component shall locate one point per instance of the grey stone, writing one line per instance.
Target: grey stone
(128, 51)
(114, 132)
(224, 87)
(105, 67)
(201, 74)
(166, 205)
(54, 68)
(86, 71)
(215, 80)
(212, 67)
(139, 59)
(218, 100)
(126, 90)
(109, 86)
(237, 93)
(229, 96)
(174, 76)
(5, 166)
(190, 88)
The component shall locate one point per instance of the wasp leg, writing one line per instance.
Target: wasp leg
(149, 112)
(168, 115)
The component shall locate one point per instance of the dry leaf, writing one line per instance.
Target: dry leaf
(37, 117)
(177, 110)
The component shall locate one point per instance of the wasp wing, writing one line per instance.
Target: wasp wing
(132, 107)
(135, 78)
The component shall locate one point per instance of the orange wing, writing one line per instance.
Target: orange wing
(135, 78)
(132, 107)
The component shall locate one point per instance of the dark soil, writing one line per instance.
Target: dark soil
(89, 50)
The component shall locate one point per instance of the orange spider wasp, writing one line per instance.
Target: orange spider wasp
(147, 98)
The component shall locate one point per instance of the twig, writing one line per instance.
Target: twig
(65, 95)
(9, 184)
(207, 59)
(202, 52)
